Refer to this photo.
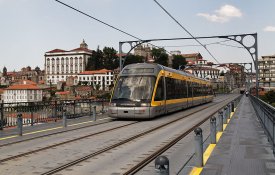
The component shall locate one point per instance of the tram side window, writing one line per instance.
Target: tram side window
(160, 90)
(203, 89)
(184, 89)
(169, 88)
(196, 90)
(190, 92)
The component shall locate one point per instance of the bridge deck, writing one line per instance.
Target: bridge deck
(243, 148)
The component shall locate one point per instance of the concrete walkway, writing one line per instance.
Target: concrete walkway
(243, 148)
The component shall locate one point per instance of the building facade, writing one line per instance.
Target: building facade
(192, 57)
(204, 72)
(101, 79)
(61, 64)
(145, 51)
(26, 91)
(266, 66)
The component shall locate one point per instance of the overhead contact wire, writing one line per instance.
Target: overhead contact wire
(204, 46)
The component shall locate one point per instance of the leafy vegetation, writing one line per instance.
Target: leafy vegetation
(131, 59)
(107, 59)
(160, 56)
(178, 62)
(269, 97)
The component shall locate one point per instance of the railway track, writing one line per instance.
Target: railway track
(51, 134)
(149, 158)
(164, 148)
(62, 143)
(60, 132)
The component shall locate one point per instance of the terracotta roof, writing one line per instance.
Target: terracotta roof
(56, 51)
(77, 97)
(27, 82)
(82, 49)
(23, 87)
(83, 88)
(63, 93)
(190, 55)
(11, 73)
(102, 71)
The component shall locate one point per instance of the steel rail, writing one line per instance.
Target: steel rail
(161, 150)
(62, 143)
(47, 135)
(67, 165)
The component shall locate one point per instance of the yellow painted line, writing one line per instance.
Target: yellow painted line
(105, 118)
(88, 122)
(196, 171)
(218, 136)
(50, 129)
(208, 152)
(44, 130)
(80, 123)
(4, 138)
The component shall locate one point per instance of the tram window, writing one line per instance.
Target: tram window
(169, 88)
(184, 89)
(160, 90)
(195, 90)
(190, 92)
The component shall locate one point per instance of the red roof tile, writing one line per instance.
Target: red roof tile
(23, 87)
(82, 49)
(56, 51)
(102, 71)
(190, 55)
(63, 93)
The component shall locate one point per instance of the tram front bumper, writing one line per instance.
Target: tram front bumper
(129, 112)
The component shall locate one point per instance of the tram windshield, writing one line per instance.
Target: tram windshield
(134, 88)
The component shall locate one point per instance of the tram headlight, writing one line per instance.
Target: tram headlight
(113, 104)
(145, 104)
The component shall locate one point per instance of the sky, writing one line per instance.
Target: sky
(29, 28)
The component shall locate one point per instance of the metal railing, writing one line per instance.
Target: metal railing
(42, 112)
(266, 114)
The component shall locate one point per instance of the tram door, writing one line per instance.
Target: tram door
(160, 96)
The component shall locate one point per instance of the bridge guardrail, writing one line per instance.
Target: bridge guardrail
(43, 112)
(266, 114)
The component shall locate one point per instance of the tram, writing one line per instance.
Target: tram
(147, 90)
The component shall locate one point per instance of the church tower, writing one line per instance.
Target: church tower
(84, 45)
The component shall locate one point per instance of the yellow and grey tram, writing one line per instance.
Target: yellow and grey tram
(146, 90)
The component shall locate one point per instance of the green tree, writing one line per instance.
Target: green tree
(178, 62)
(269, 97)
(131, 59)
(95, 61)
(110, 59)
(160, 56)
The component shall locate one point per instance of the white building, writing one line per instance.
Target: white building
(60, 64)
(99, 78)
(26, 92)
(203, 72)
(266, 66)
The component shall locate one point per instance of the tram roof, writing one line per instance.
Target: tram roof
(158, 68)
